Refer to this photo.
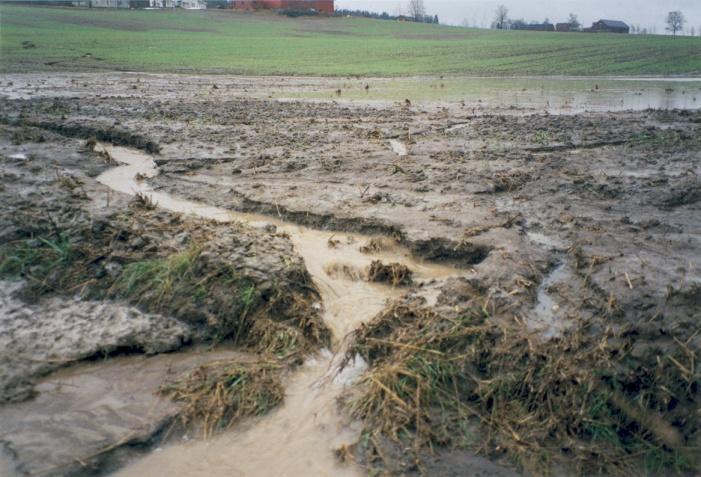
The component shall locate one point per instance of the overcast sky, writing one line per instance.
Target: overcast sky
(645, 13)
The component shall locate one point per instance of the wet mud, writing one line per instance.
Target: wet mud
(345, 218)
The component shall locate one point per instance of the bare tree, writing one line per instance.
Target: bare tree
(675, 22)
(693, 31)
(573, 20)
(417, 10)
(501, 17)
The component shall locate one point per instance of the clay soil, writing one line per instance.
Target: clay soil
(557, 220)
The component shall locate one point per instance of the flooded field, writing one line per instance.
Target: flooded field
(566, 95)
(317, 276)
(556, 95)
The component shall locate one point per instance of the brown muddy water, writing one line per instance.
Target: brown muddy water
(299, 438)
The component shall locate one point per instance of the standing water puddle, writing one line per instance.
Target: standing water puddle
(545, 313)
(297, 439)
(398, 147)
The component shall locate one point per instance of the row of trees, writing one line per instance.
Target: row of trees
(415, 8)
(503, 22)
(416, 11)
(675, 22)
(382, 16)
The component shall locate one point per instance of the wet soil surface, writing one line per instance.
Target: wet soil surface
(69, 238)
(556, 218)
(72, 330)
(95, 416)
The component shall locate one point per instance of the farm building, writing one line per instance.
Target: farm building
(321, 6)
(608, 26)
(533, 26)
(566, 27)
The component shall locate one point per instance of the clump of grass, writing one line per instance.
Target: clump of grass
(510, 181)
(40, 261)
(26, 134)
(277, 338)
(142, 201)
(375, 245)
(541, 137)
(219, 394)
(198, 285)
(395, 274)
(581, 402)
(185, 285)
(72, 184)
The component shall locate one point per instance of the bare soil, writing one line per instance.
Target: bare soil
(557, 219)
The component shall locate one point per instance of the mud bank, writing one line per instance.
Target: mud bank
(72, 330)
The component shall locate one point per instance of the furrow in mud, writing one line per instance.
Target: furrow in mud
(462, 254)
(83, 131)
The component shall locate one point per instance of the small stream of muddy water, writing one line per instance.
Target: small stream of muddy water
(297, 439)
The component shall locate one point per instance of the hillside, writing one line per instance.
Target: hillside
(216, 41)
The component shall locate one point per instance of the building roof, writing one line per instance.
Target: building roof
(614, 23)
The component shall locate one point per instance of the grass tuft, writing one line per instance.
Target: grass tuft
(578, 402)
(218, 394)
(185, 285)
(195, 285)
(39, 260)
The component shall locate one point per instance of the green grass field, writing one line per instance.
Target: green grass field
(218, 41)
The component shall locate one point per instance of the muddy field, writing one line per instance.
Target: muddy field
(432, 288)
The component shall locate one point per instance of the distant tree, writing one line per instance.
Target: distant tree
(435, 20)
(573, 21)
(675, 22)
(501, 17)
(693, 31)
(518, 24)
(546, 21)
(417, 10)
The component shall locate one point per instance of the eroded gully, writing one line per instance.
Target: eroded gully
(298, 438)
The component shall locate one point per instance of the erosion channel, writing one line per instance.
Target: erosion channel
(299, 438)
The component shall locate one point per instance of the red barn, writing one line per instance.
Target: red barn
(321, 6)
